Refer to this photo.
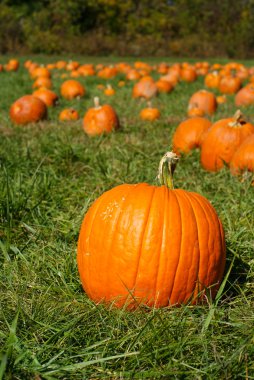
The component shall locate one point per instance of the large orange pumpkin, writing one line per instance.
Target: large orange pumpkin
(100, 119)
(28, 109)
(189, 134)
(157, 246)
(222, 140)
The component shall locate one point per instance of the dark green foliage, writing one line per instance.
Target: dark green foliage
(158, 27)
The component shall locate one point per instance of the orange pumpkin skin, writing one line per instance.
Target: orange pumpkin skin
(158, 246)
(243, 158)
(100, 119)
(42, 82)
(204, 100)
(229, 85)
(150, 114)
(188, 134)
(28, 109)
(47, 96)
(71, 89)
(164, 86)
(212, 80)
(221, 142)
(144, 88)
(68, 114)
(245, 96)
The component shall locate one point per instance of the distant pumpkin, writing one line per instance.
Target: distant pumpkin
(100, 119)
(204, 100)
(71, 89)
(150, 113)
(68, 114)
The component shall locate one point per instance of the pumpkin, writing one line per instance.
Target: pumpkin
(100, 119)
(72, 65)
(47, 96)
(107, 72)
(28, 109)
(194, 110)
(40, 72)
(150, 113)
(164, 86)
(204, 100)
(12, 65)
(245, 96)
(189, 134)
(71, 89)
(151, 245)
(145, 88)
(243, 158)
(86, 70)
(212, 80)
(222, 140)
(42, 82)
(61, 65)
(188, 74)
(229, 84)
(109, 91)
(221, 99)
(68, 114)
(133, 75)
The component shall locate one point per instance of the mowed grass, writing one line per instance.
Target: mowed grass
(50, 173)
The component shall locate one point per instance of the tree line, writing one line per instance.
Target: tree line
(194, 28)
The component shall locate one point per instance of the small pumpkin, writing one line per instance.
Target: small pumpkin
(150, 113)
(71, 89)
(189, 134)
(151, 245)
(68, 114)
(212, 79)
(243, 158)
(12, 65)
(222, 140)
(28, 109)
(109, 91)
(188, 74)
(100, 119)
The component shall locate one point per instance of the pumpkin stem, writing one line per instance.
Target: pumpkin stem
(238, 119)
(96, 102)
(166, 169)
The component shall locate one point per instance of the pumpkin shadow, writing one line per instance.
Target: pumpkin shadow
(237, 277)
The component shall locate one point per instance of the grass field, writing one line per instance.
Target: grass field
(50, 173)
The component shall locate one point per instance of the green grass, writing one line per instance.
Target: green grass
(50, 173)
